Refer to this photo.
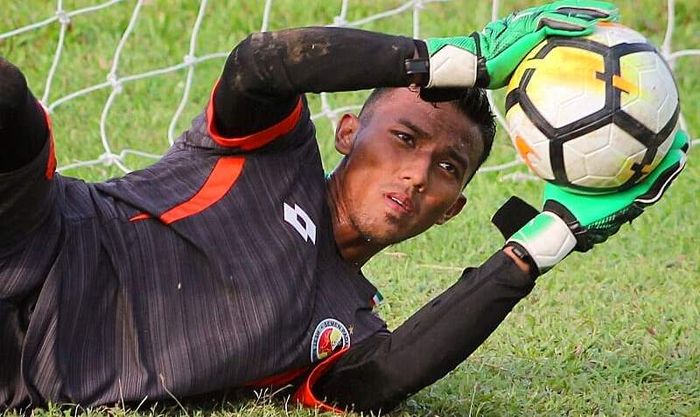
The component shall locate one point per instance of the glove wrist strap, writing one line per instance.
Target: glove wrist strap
(452, 67)
(417, 69)
(546, 238)
(524, 256)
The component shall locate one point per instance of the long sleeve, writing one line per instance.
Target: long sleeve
(23, 127)
(27, 161)
(264, 75)
(388, 367)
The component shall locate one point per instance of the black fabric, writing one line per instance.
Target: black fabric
(26, 201)
(383, 370)
(512, 216)
(266, 72)
(23, 128)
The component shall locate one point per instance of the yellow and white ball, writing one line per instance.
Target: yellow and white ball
(596, 113)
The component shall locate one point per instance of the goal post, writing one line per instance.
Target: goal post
(135, 72)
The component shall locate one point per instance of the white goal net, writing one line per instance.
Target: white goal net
(64, 22)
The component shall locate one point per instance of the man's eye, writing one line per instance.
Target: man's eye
(404, 137)
(448, 167)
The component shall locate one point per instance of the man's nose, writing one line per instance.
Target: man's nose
(416, 172)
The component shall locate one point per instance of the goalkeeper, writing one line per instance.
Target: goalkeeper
(234, 262)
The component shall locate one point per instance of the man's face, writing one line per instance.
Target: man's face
(406, 164)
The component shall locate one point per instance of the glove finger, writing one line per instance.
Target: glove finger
(667, 171)
(601, 230)
(591, 13)
(495, 28)
(500, 68)
(562, 25)
(681, 141)
(611, 223)
(587, 14)
(663, 181)
(601, 10)
(594, 237)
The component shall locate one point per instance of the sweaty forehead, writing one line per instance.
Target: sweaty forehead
(440, 121)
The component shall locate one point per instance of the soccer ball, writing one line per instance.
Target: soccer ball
(594, 114)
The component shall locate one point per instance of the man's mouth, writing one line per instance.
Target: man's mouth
(399, 202)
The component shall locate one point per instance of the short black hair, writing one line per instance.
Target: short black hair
(472, 102)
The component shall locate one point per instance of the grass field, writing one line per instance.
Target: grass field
(609, 333)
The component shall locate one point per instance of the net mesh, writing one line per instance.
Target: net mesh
(115, 80)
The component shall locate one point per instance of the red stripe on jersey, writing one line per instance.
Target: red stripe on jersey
(140, 216)
(304, 393)
(221, 179)
(258, 139)
(51, 161)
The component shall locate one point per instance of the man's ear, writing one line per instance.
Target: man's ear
(345, 133)
(454, 209)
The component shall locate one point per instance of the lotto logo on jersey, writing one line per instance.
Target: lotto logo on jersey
(301, 222)
(330, 336)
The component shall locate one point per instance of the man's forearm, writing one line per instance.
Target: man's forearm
(385, 369)
(265, 73)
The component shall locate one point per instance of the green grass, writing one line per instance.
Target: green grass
(608, 333)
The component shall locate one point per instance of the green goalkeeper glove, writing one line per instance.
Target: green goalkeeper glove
(573, 221)
(488, 58)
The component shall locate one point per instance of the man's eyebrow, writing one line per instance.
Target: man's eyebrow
(456, 155)
(452, 151)
(409, 124)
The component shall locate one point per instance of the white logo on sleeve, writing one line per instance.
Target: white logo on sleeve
(301, 222)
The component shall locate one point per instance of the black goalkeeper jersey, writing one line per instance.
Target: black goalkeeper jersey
(214, 268)
(217, 267)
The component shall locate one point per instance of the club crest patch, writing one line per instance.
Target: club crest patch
(330, 336)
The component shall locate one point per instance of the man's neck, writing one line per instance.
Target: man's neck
(353, 246)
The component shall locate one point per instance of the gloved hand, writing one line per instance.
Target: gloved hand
(488, 58)
(573, 221)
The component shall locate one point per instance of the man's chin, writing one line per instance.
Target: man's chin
(383, 235)
(383, 230)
